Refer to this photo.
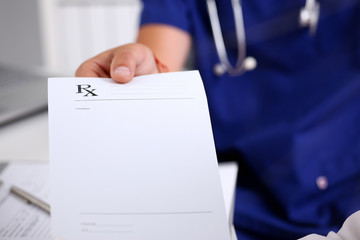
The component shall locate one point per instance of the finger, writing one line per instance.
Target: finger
(98, 66)
(132, 60)
(91, 69)
(123, 66)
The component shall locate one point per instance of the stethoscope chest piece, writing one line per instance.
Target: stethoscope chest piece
(248, 64)
(219, 69)
(309, 15)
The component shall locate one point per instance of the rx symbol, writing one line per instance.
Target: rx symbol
(86, 88)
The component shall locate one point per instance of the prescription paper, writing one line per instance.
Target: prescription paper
(134, 161)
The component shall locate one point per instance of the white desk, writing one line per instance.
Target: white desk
(26, 139)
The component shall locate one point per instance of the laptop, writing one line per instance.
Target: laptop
(22, 93)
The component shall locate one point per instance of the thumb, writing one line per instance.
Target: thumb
(132, 60)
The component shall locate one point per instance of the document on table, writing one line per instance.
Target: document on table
(18, 218)
(134, 161)
(22, 220)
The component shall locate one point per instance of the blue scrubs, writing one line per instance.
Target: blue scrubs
(293, 124)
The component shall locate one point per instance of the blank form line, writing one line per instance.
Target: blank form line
(99, 231)
(145, 213)
(131, 99)
(179, 88)
(122, 93)
(150, 86)
(105, 225)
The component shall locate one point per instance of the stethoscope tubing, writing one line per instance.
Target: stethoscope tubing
(219, 41)
(309, 16)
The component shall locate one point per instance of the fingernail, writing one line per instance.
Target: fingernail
(122, 71)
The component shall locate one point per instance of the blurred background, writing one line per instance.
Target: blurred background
(57, 35)
(49, 38)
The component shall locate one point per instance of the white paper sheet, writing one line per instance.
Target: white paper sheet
(134, 161)
(19, 219)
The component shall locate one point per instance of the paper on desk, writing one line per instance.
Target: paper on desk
(19, 219)
(228, 176)
(134, 161)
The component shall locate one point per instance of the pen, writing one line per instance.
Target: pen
(32, 199)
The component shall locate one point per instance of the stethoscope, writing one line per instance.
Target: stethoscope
(309, 16)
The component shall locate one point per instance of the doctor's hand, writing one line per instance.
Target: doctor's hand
(120, 63)
(170, 44)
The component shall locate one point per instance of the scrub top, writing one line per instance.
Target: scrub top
(293, 123)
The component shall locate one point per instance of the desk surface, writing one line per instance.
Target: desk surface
(25, 140)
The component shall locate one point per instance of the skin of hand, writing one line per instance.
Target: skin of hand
(122, 63)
